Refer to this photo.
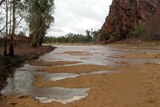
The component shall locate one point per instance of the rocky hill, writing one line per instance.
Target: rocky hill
(125, 14)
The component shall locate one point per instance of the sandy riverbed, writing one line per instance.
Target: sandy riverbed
(133, 85)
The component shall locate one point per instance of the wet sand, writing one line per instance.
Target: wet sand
(126, 89)
(75, 69)
(133, 85)
(139, 56)
(53, 63)
(77, 53)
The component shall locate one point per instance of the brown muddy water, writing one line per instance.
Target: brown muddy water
(21, 84)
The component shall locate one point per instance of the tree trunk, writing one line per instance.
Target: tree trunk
(41, 41)
(11, 49)
(41, 37)
(5, 45)
(34, 41)
(10, 18)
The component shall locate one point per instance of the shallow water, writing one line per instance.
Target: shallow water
(59, 94)
(21, 82)
(56, 76)
(98, 57)
(61, 76)
(21, 85)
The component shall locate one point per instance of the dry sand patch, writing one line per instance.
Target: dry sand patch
(139, 56)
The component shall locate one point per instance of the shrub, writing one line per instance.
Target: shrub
(139, 30)
(147, 31)
(105, 36)
(153, 32)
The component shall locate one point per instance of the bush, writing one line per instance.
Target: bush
(105, 35)
(154, 29)
(139, 31)
(147, 31)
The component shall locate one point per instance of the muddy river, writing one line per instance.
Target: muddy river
(21, 84)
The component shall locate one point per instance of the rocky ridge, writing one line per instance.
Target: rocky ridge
(125, 14)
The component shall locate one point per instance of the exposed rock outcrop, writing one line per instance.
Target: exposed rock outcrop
(125, 14)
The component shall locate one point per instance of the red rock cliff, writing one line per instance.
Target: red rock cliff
(125, 14)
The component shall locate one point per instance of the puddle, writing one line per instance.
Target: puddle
(21, 85)
(22, 80)
(61, 95)
(57, 76)
(62, 76)
(100, 72)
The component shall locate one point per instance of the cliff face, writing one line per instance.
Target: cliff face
(125, 14)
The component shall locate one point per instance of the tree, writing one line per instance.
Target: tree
(11, 7)
(11, 49)
(2, 1)
(5, 44)
(39, 19)
(89, 33)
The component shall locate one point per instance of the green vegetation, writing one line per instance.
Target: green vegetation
(139, 31)
(90, 36)
(147, 31)
(105, 35)
(39, 19)
(69, 38)
(37, 14)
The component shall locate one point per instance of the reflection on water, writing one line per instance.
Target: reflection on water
(98, 57)
(21, 85)
(21, 82)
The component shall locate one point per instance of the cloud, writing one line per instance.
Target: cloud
(78, 15)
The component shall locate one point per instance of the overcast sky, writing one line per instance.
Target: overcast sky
(77, 16)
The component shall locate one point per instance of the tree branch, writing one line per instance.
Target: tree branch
(1, 2)
(1, 30)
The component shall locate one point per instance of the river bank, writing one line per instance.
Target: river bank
(23, 53)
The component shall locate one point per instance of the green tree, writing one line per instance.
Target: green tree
(89, 33)
(39, 19)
